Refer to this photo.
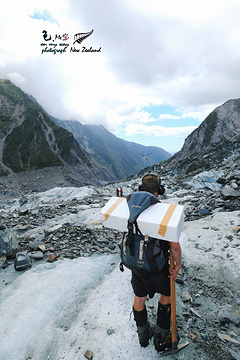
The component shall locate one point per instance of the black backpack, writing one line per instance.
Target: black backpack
(142, 254)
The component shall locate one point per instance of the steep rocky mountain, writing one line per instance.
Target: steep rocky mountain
(210, 161)
(30, 140)
(208, 146)
(113, 157)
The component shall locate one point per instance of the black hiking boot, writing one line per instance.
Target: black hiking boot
(144, 329)
(144, 334)
(162, 338)
(162, 334)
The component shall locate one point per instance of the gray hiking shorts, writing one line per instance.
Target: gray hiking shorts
(159, 283)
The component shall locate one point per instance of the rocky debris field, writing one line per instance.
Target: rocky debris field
(71, 241)
(207, 192)
(207, 313)
(66, 240)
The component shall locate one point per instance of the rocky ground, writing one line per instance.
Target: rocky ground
(72, 241)
(206, 310)
(17, 184)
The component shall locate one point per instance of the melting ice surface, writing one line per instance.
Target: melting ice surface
(39, 306)
(206, 179)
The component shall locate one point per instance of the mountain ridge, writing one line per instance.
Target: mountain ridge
(208, 146)
(221, 125)
(31, 140)
(111, 155)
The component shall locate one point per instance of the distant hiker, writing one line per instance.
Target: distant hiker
(117, 192)
(121, 192)
(149, 284)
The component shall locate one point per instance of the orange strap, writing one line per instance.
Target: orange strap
(164, 223)
(110, 210)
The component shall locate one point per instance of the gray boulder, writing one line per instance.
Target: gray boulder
(229, 315)
(22, 262)
(8, 243)
(229, 193)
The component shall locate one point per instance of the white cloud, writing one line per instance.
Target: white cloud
(158, 131)
(181, 53)
(197, 12)
(199, 115)
(16, 78)
(168, 116)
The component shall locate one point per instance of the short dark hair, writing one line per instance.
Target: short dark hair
(150, 183)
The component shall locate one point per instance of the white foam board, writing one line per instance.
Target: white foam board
(161, 221)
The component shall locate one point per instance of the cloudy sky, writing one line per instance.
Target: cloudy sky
(160, 69)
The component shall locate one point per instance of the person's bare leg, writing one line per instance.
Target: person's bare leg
(139, 303)
(165, 300)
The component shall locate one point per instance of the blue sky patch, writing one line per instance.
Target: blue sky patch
(169, 116)
(44, 15)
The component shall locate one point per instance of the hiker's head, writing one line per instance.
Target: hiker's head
(152, 184)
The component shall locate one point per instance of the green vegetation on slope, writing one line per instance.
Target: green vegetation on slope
(14, 93)
(33, 140)
(26, 146)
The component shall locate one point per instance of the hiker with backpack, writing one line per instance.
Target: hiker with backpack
(155, 277)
